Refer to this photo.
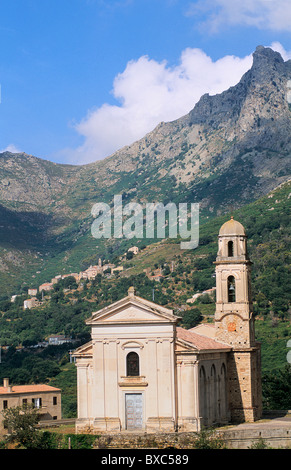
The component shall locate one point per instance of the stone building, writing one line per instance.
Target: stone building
(143, 372)
(134, 250)
(46, 286)
(45, 398)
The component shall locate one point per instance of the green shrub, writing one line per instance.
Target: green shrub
(78, 441)
(208, 439)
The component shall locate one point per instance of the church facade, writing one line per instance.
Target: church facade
(143, 372)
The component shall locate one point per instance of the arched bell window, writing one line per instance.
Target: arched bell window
(230, 249)
(132, 364)
(231, 288)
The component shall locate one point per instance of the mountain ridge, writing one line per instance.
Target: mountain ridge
(231, 149)
(246, 116)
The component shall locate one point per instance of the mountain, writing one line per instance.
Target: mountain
(230, 150)
(185, 272)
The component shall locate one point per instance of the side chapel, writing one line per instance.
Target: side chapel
(143, 372)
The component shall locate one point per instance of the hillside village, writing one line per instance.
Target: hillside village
(107, 269)
(88, 274)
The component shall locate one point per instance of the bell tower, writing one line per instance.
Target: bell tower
(233, 317)
(234, 322)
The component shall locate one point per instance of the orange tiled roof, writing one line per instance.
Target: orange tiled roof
(29, 389)
(199, 341)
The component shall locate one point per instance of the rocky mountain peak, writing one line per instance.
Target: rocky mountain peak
(266, 64)
(261, 90)
(266, 54)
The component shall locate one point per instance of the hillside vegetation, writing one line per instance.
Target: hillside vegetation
(185, 272)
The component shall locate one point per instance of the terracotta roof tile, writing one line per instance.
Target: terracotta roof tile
(199, 341)
(28, 389)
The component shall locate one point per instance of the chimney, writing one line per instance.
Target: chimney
(6, 384)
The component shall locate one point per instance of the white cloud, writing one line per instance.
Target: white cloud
(149, 92)
(11, 148)
(272, 15)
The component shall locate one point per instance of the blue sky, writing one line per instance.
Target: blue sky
(82, 78)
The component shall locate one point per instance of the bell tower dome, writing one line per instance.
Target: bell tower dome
(232, 240)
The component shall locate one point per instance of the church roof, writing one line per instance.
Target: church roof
(132, 309)
(232, 227)
(200, 342)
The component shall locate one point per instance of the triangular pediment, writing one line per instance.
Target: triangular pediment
(133, 309)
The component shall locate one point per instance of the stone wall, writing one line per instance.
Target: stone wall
(147, 441)
(274, 438)
(234, 439)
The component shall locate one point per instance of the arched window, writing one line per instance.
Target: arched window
(231, 288)
(132, 364)
(230, 248)
(213, 394)
(223, 394)
(203, 392)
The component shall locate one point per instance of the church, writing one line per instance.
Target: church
(142, 372)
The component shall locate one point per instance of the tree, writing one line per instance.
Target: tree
(21, 422)
(276, 387)
(191, 318)
(204, 299)
(129, 255)
(166, 270)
